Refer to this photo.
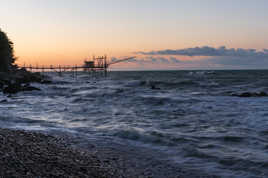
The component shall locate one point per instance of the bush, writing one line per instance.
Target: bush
(7, 58)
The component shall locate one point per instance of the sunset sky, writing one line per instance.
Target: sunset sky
(67, 31)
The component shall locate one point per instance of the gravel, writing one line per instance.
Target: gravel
(27, 154)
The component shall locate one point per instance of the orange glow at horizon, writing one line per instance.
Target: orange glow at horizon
(65, 32)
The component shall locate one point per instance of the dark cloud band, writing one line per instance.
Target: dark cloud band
(210, 51)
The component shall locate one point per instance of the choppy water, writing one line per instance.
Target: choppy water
(192, 117)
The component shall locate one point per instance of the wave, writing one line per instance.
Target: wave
(177, 84)
(163, 84)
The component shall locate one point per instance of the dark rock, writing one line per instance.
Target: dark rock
(18, 87)
(46, 82)
(251, 94)
(12, 88)
(263, 94)
(142, 83)
(246, 94)
(153, 87)
(19, 80)
(30, 88)
(27, 77)
(3, 101)
(119, 90)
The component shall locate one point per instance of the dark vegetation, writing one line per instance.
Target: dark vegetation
(12, 78)
(7, 58)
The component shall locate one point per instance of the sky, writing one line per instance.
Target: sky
(162, 34)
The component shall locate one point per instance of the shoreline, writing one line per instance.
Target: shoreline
(41, 154)
(34, 154)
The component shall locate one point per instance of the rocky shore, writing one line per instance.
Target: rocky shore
(19, 80)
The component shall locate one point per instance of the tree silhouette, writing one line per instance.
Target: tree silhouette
(7, 58)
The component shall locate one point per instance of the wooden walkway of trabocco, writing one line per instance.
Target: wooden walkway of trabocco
(99, 64)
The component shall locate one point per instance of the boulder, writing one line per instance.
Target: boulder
(263, 94)
(12, 88)
(153, 87)
(30, 88)
(251, 94)
(19, 80)
(18, 87)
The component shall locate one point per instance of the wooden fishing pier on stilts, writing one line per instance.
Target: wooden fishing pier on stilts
(96, 65)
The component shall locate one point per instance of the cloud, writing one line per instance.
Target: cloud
(175, 60)
(211, 52)
(163, 60)
(203, 58)
(156, 60)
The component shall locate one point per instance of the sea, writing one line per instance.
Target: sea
(194, 118)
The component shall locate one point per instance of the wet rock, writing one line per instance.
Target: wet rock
(23, 76)
(12, 88)
(142, 83)
(251, 94)
(119, 90)
(30, 88)
(246, 94)
(18, 87)
(4, 101)
(46, 82)
(153, 87)
(263, 94)
(19, 80)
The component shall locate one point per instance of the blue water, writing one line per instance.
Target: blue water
(190, 116)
